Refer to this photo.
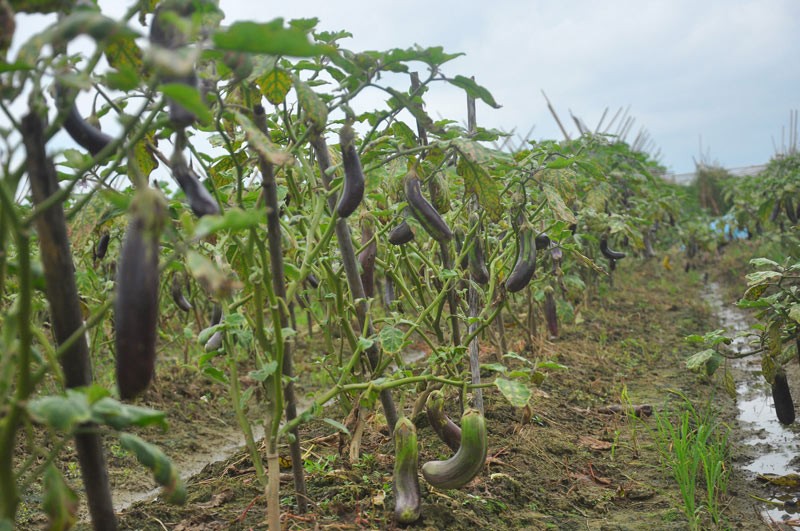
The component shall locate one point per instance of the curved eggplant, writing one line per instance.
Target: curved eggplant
(216, 314)
(177, 294)
(353, 188)
(791, 213)
(424, 212)
(136, 305)
(200, 200)
(405, 482)
(525, 265)
(468, 460)
(608, 253)
(446, 429)
(401, 234)
(86, 135)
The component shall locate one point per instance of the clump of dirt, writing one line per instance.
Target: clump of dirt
(566, 462)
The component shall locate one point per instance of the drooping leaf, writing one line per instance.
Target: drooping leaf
(60, 502)
(163, 470)
(474, 90)
(119, 416)
(215, 281)
(338, 425)
(261, 375)
(269, 38)
(516, 392)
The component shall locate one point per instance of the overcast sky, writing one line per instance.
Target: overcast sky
(726, 70)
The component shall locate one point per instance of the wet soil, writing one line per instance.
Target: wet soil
(563, 463)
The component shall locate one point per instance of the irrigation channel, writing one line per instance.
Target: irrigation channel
(774, 446)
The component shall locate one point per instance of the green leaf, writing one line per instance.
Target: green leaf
(189, 98)
(264, 372)
(234, 220)
(338, 425)
(365, 343)
(559, 163)
(268, 38)
(474, 90)
(119, 416)
(494, 367)
(517, 393)
(275, 85)
(123, 52)
(391, 339)
(60, 502)
(557, 205)
(62, 413)
(552, 365)
(164, 472)
(794, 312)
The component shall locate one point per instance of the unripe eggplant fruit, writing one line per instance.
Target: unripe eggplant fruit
(791, 213)
(477, 263)
(86, 135)
(782, 398)
(401, 234)
(405, 482)
(550, 313)
(468, 460)
(367, 258)
(102, 246)
(424, 212)
(525, 265)
(446, 429)
(136, 305)
(608, 253)
(353, 188)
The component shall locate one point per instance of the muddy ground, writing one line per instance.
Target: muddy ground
(564, 464)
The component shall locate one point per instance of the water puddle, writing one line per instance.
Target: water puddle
(774, 445)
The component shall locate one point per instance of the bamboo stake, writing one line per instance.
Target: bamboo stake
(600, 123)
(558, 121)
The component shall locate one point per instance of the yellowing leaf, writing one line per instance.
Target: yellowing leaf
(260, 143)
(275, 85)
(557, 205)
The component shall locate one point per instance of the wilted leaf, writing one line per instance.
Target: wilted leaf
(478, 181)
(261, 375)
(260, 143)
(315, 109)
(144, 158)
(515, 392)
(338, 425)
(216, 282)
(557, 204)
(705, 362)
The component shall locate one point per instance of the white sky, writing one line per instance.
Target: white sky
(724, 69)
